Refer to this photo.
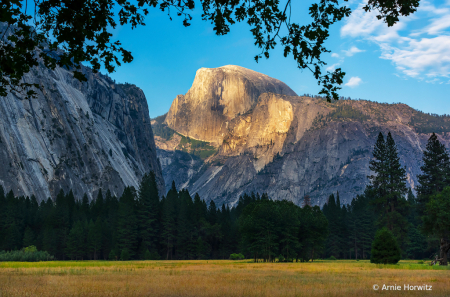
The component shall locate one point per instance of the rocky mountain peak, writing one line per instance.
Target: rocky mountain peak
(219, 95)
(267, 139)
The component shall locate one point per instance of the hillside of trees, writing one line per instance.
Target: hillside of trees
(138, 225)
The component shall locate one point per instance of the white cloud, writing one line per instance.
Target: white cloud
(353, 82)
(334, 55)
(427, 56)
(332, 67)
(412, 54)
(353, 50)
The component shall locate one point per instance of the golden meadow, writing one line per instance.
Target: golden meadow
(218, 278)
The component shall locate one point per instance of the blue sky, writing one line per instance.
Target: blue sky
(408, 63)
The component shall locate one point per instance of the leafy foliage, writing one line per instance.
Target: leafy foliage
(82, 29)
(28, 254)
(237, 256)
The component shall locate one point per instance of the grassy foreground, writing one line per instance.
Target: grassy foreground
(218, 278)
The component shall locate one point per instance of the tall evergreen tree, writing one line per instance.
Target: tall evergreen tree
(435, 172)
(148, 212)
(61, 223)
(127, 233)
(389, 184)
(333, 214)
(76, 242)
(437, 221)
(168, 221)
(94, 238)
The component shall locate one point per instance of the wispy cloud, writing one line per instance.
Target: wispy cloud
(413, 54)
(332, 67)
(353, 50)
(353, 82)
(334, 55)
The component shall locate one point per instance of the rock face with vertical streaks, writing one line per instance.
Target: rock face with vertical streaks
(73, 135)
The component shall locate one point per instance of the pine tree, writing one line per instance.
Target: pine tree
(333, 212)
(185, 236)
(148, 212)
(437, 221)
(2, 217)
(306, 200)
(385, 249)
(389, 185)
(127, 233)
(435, 169)
(61, 223)
(168, 221)
(97, 206)
(396, 221)
(76, 241)
(94, 238)
(85, 208)
(13, 239)
(28, 238)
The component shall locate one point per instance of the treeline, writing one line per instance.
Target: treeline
(420, 225)
(140, 225)
(428, 123)
(352, 229)
(342, 112)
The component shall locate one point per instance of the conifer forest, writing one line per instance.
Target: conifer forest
(141, 225)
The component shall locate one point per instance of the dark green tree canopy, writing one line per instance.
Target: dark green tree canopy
(385, 249)
(82, 30)
(435, 170)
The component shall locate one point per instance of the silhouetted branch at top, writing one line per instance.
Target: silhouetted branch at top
(81, 32)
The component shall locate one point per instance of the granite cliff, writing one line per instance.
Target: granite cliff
(73, 135)
(217, 96)
(267, 139)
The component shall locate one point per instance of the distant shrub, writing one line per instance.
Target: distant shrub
(332, 258)
(154, 256)
(420, 262)
(237, 256)
(151, 255)
(281, 258)
(112, 255)
(125, 255)
(385, 249)
(147, 255)
(28, 254)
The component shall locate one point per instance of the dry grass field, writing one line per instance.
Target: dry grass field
(218, 278)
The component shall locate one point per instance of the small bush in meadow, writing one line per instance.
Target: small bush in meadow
(237, 256)
(281, 258)
(28, 254)
(420, 262)
(125, 255)
(112, 255)
(332, 258)
(385, 249)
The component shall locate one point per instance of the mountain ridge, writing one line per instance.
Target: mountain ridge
(290, 146)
